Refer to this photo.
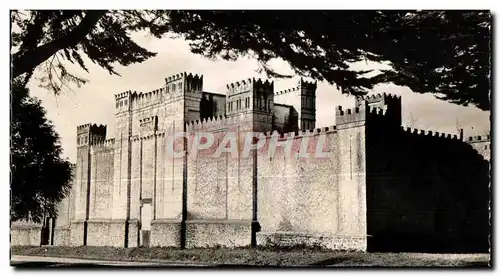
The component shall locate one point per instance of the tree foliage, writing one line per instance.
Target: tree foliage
(50, 39)
(443, 52)
(40, 178)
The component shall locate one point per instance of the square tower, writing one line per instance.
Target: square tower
(252, 101)
(189, 89)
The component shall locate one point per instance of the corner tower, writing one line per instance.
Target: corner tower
(388, 102)
(87, 135)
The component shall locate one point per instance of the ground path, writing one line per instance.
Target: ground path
(173, 257)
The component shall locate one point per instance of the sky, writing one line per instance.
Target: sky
(94, 101)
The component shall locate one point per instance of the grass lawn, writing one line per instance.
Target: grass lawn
(259, 257)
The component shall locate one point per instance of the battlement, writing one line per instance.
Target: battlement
(250, 84)
(478, 138)
(312, 85)
(211, 123)
(183, 75)
(309, 86)
(148, 136)
(381, 97)
(148, 120)
(300, 133)
(430, 133)
(103, 143)
(157, 93)
(350, 115)
(380, 100)
(126, 94)
(90, 128)
(289, 90)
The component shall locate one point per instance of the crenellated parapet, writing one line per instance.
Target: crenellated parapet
(308, 87)
(148, 136)
(103, 144)
(349, 115)
(123, 100)
(303, 88)
(148, 98)
(212, 123)
(149, 124)
(429, 133)
(478, 139)
(184, 82)
(183, 75)
(384, 108)
(86, 128)
(239, 86)
(287, 91)
(383, 97)
(124, 95)
(250, 85)
(88, 134)
(300, 133)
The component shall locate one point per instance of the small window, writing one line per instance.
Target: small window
(121, 103)
(125, 102)
(486, 147)
(117, 104)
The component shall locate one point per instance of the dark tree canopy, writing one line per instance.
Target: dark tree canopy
(447, 53)
(40, 178)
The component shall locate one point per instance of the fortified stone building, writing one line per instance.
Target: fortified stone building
(382, 187)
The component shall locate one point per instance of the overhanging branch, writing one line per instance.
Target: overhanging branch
(28, 61)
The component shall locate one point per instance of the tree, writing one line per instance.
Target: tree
(443, 52)
(40, 178)
(447, 52)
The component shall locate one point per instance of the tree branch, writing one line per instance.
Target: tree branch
(27, 61)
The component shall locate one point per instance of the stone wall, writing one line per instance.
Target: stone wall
(62, 236)
(323, 196)
(101, 186)
(294, 239)
(106, 233)
(25, 234)
(165, 233)
(218, 233)
(77, 233)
